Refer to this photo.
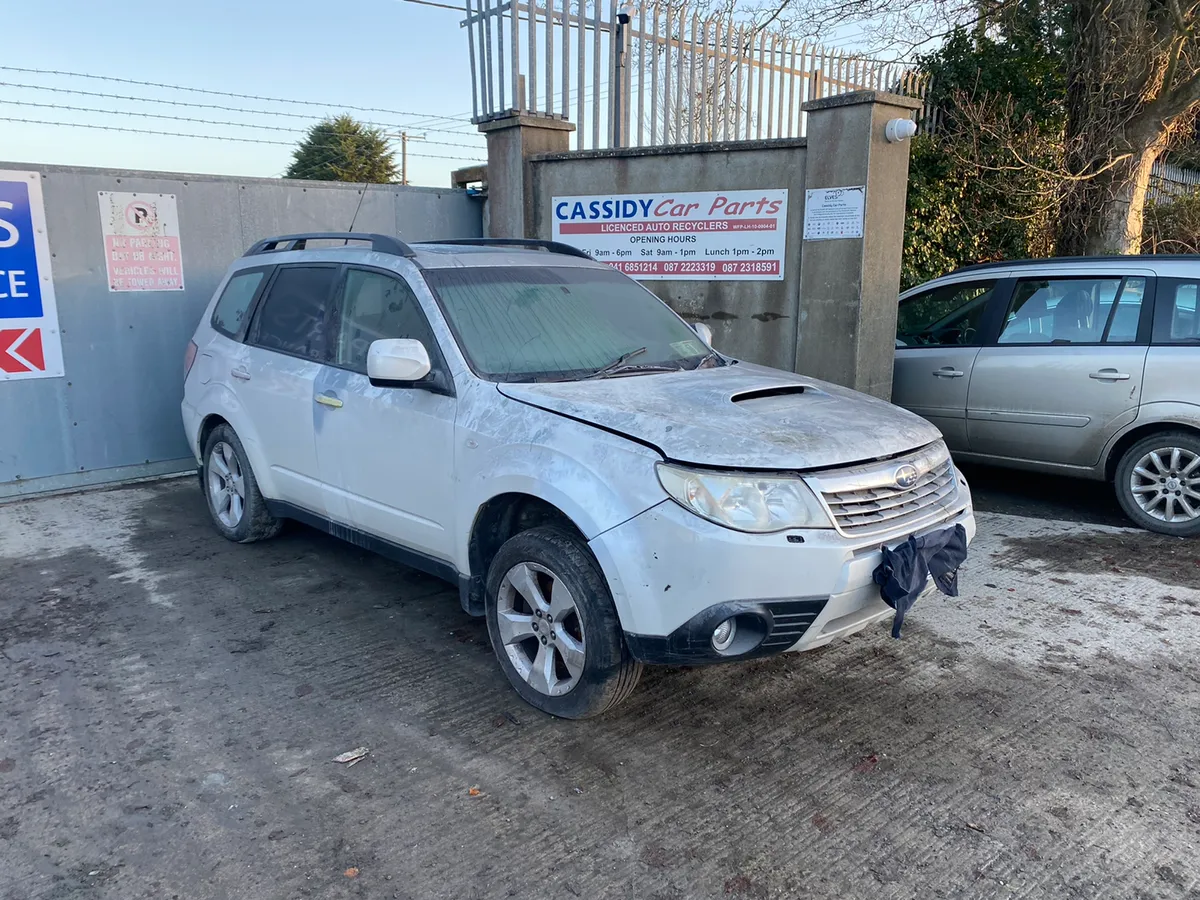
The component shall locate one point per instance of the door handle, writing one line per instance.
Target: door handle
(1109, 375)
(327, 400)
(947, 372)
(240, 374)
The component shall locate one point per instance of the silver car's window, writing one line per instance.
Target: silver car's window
(1065, 310)
(235, 300)
(945, 316)
(1177, 314)
(373, 307)
(517, 323)
(1123, 321)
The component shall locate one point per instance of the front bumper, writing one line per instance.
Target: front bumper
(675, 576)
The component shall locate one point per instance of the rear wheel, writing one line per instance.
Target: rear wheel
(554, 628)
(1158, 483)
(237, 507)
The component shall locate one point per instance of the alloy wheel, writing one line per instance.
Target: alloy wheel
(226, 486)
(1165, 483)
(540, 628)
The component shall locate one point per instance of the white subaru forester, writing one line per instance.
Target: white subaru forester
(541, 430)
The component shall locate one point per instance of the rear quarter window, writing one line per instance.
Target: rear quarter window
(230, 313)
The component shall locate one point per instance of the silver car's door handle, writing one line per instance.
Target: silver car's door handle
(327, 400)
(947, 372)
(240, 374)
(1109, 375)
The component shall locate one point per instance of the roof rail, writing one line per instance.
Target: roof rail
(1050, 260)
(380, 243)
(527, 243)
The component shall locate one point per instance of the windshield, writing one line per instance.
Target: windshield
(521, 323)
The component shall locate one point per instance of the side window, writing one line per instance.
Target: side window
(1060, 310)
(1123, 321)
(235, 300)
(1177, 318)
(375, 307)
(291, 319)
(945, 316)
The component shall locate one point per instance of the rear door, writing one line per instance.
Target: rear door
(938, 336)
(275, 372)
(1065, 372)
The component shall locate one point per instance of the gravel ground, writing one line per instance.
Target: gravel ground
(170, 705)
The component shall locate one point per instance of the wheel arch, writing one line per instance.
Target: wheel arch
(1137, 433)
(497, 520)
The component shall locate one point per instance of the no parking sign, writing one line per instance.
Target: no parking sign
(29, 340)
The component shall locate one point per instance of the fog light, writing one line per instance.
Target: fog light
(723, 634)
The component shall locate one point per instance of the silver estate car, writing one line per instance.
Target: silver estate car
(1081, 367)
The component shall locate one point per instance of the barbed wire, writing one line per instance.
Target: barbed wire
(237, 109)
(215, 93)
(211, 137)
(280, 128)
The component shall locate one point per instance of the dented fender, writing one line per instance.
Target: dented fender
(596, 478)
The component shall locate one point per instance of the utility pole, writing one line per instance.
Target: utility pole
(405, 137)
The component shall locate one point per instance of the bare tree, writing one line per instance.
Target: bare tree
(1133, 84)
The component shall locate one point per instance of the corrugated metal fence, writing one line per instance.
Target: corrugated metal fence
(115, 413)
(657, 73)
(1168, 181)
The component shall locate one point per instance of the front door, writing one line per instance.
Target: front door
(1065, 373)
(937, 339)
(274, 373)
(386, 453)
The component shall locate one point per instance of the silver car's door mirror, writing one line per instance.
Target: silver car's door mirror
(704, 332)
(397, 361)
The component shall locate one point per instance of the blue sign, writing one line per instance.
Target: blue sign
(20, 286)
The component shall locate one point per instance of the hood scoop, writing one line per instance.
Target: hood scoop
(769, 398)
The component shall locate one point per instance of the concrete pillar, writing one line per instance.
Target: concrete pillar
(848, 286)
(510, 143)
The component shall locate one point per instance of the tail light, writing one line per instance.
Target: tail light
(189, 357)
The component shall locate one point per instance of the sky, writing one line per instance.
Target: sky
(407, 59)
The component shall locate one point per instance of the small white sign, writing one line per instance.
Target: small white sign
(680, 235)
(832, 213)
(142, 248)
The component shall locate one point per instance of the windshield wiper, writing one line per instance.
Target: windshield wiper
(711, 354)
(614, 365)
(621, 365)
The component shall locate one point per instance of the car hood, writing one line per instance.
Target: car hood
(738, 416)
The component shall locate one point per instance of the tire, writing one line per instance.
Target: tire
(238, 516)
(1175, 474)
(543, 561)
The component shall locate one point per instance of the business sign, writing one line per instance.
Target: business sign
(680, 235)
(831, 213)
(141, 241)
(29, 342)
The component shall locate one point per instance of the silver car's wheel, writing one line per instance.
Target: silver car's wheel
(226, 486)
(1158, 483)
(540, 629)
(553, 625)
(1165, 483)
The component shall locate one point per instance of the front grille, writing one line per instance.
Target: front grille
(868, 501)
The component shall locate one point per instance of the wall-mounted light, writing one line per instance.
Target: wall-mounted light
(898, 130)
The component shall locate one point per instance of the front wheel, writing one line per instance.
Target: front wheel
(554, 628)
(1158, 483)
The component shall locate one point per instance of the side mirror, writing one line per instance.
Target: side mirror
(397, 360)
(704, 332)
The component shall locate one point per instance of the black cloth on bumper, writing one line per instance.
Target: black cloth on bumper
(905, 571)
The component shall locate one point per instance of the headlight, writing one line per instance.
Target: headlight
(744, 501)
